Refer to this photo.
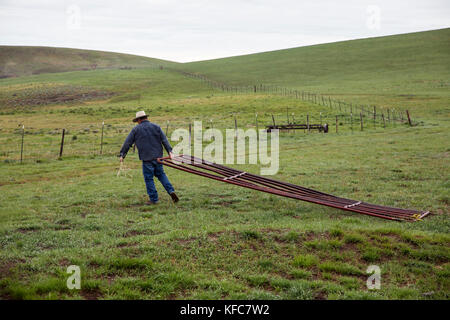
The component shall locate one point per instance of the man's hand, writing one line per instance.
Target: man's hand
(171, 155)
(121, 159)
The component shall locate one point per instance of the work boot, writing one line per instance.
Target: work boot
(174, 197)
(151, 203)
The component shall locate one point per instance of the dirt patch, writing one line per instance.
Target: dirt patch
(64, 262)
(125, 245)
(133, 233)
(186, 241)
(94, 294)
(28, 229)
(59, 228)
(45, 95)
(5, 268)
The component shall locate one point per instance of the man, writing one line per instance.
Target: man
(149, 139)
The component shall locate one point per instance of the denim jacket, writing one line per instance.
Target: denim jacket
(149, 139)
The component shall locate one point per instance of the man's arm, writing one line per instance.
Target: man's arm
(127, 144)
(165, 142)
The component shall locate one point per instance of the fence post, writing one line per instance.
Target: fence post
(21, 148)
(167, 128)
(287, 114)
(101, 140)
(190, 130)
(409, 118)
(235, 127)
(361, 117)
(351, 121)
(256, 122)
(62, 144)
(273, 120)
(384, 120)
(336, 124)
(374, 115)
(307, 122)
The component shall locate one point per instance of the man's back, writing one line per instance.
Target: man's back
(149, 139)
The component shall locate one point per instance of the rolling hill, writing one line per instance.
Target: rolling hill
(19, 61)
(420, 56)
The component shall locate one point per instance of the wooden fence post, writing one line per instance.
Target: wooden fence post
(167, 128)
(384, 120)
(273, 120)
(336, 124)
(21, 147)
(351, 121)
(62, 144)
(101, 140)
(409, 118)
(287, 114)
(374, 115)
(307, 122)
(361, 117)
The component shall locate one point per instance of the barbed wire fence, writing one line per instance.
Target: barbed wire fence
(381, 114)
(105, 139)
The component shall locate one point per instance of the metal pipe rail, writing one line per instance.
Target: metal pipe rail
(222, 173)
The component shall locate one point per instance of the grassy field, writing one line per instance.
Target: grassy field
(219, 241)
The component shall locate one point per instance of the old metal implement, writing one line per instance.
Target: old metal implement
(293, 126)
(222, 173)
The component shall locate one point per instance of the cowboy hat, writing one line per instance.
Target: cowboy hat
(139, 114)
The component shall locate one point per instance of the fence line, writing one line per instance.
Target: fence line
(24, 144)
(315, 98)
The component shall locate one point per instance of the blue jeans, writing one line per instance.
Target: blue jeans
(153, 168)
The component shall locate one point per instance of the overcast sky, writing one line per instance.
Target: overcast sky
(189, 30)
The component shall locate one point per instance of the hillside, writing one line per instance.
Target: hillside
(406, 57)
(18, 61)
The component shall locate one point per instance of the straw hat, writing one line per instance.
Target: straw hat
(139, 114)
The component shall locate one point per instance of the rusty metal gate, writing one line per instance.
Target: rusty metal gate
(222, 173)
